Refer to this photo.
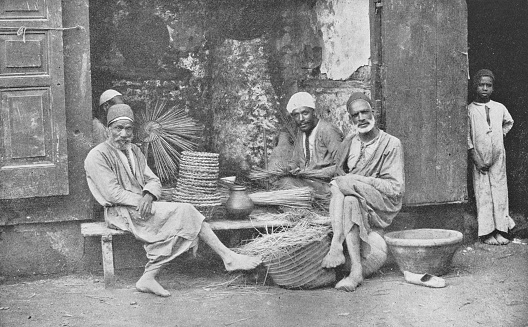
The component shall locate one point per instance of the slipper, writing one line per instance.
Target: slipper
(424, 279)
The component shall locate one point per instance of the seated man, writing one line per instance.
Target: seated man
(315, 147)
(107, 99)
(367, 193)
(121, 181)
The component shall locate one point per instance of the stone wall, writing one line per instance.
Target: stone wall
(232, 64)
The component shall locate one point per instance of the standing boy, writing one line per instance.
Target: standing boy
(489, 121)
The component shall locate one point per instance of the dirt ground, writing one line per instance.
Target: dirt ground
(487, 286)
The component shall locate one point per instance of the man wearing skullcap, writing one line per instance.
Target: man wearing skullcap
(316, 143)
(489, 122)
(106, 100)
(367, 192)
(120, 180)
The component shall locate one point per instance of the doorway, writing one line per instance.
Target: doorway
(497, 40)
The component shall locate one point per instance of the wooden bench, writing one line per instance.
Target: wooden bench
(99, 229)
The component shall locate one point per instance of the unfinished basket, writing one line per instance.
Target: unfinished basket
(198, 182)
(301, 268)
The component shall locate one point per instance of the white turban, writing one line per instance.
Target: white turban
(300, 99)
(107, 95)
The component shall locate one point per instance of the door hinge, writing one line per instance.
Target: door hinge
(378, 5)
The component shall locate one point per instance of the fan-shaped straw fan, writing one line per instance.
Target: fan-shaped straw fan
(165, 132)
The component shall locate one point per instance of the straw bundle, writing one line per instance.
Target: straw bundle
(292, 215)
(260, 173)
(275, 245)
(300, 197)
(312, 173)
(165, 132)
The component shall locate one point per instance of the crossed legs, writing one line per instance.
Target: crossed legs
(335, 256)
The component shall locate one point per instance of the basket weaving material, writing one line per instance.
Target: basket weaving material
(198, 181)
(301, 268)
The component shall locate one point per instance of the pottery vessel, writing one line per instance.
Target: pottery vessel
(424, 250)
(239, 205)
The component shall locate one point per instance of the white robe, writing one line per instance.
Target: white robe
(491, 189)
(171, 230)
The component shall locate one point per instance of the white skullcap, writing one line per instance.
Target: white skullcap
(107, 95)
(300, 99)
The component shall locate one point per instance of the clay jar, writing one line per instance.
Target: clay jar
(239, 205)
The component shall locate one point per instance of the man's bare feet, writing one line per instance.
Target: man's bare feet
(334, 257)
(351, 282)
(501, 239)
(237, 261)
(491, 240)
(148, 284)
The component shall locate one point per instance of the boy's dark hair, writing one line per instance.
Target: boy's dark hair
(481, 73)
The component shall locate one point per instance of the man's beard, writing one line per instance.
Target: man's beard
(363, 130)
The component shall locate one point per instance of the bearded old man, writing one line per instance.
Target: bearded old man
(313, 158)
(367, 192)
(121, 181)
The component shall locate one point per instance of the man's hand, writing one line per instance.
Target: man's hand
(145, 206)
(479, 165)
(295, 171)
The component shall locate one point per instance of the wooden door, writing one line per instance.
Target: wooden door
(33, 153)
(423, 93)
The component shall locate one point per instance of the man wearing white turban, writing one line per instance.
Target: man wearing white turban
(316, 144)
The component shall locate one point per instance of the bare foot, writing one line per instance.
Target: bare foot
(350, 283)
(501, 239)
(334, 257)
(491, 240)
(237, 261)
(147, 284)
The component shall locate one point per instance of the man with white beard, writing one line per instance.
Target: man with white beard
(367, 192)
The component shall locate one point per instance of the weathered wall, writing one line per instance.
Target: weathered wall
(231, 64)
(243, 103)
(33, 246)
(345, 28)
(264, 50)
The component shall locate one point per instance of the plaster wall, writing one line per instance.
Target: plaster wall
(345, 29)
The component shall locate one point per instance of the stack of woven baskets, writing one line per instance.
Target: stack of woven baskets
(198, 181)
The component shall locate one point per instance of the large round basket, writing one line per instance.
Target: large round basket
(301, 268)
(424, 250)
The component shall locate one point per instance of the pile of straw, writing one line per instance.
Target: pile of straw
(279, 244)
(300, 197)
(165, 132)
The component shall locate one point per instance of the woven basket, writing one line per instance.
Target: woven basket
(301, 267)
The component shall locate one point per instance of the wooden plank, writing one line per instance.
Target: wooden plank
(409, 90)
(452, 83)
(247, 224)
(108, 261)
(424, 77)
(100, 229)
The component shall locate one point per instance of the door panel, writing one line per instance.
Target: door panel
(33, 153)
(424, 87)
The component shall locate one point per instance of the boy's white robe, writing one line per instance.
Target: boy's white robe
(491, 188)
